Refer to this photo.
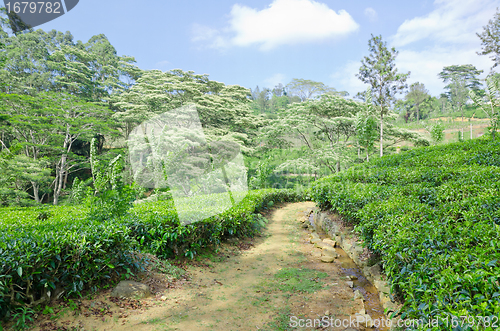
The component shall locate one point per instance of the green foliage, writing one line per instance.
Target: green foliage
(156, 227)
(110, 198)
(437, 131)
(433, 215)
(22, 317)
(490, 39)
(69, 250)
(490, 103)
(260, 180)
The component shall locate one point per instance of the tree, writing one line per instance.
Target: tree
(366, 126)
(490, 102)
(379, 70)
(263, 100)
(307, 89)
(490, 39)
(279, 90)
(29, 123)
(467, 73)
(223, 109)
(417, 95)
(75, 119)
(323, 125)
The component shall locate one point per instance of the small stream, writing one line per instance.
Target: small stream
(372, 303)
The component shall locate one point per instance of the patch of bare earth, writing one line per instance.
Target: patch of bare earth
(235, 289)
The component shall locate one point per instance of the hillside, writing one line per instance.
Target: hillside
(432, 215)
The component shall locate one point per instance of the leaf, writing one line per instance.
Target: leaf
(20, 271)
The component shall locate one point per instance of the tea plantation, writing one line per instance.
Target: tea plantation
(433, 217)
(64, 247)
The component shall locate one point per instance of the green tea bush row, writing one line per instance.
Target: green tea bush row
(70, 255)
(433, 215)
(157, 228)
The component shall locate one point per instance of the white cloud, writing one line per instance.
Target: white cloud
(446, 36)
(284, 22)
(453, 21)
(425, 65)
(345, 79)
(274, 80)
(371, 14)
(206, 35)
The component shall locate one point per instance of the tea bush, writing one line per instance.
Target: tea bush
(433, 215)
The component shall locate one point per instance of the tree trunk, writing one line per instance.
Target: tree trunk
(367, 155)
(338, 166)
(65, 179)
(35, 192)
(59, 179)
(381, 134)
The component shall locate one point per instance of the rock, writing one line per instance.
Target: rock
(357, 248)
(352, 277)
(163, 298)
(327, 313)
(364, 320)
(315, 240)
(321, 244)
(382, 286)
(351, 284)
(313, 235)
(330, 242)
(316, 254)
(305, 225)
(334, 229)
(131, 289)
(329, 248)
(375, 270)
(358, 295)
(327, 252)
(327, 259)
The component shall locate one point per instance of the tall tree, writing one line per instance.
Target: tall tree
(467, 72)
(461, 79)
(379, 70)
(29, 123)
(417, 95)
(366, 126)
(490, 39)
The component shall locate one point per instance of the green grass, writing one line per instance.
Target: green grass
(297, 280)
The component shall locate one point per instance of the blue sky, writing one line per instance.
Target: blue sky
(266, 42)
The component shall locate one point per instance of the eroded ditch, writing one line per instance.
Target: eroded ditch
(350, 269)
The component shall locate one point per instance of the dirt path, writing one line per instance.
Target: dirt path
(261, 288)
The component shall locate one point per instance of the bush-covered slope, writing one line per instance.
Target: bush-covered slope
(433, 215)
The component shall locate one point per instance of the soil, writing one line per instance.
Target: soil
(234, 289)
